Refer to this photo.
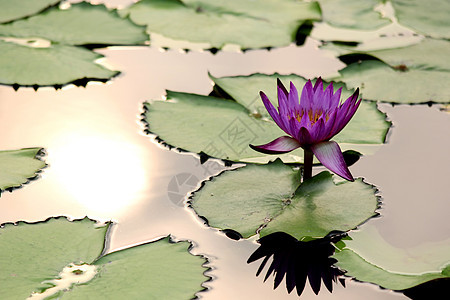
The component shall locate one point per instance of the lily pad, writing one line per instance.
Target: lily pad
(34, 253)
(270, 23)
(380, 82)
(74, 26)
(224, 128)
(11, 10)
(18, 166)
(426, 17)
(269, 198)
(428, 54)
(367, 257)
(354, 14)
(160, 269)
(57, 64)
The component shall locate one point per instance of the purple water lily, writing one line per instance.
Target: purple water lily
(310, 124)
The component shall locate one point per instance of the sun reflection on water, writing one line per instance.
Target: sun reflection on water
(106, 175)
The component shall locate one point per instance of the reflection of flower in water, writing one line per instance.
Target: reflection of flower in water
(311, 123)
(299, 260)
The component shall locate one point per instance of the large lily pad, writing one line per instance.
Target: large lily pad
(354, 14)
(158, 270)
(11, 10)
(426, 17)
(266, 24)
(378, 81)
(224, 128)
(38, 51)
(74, 26)
(428, 54)
(33, 253)
(39, 251)
(269, 198)
(18, 166)
(57, 64)
(368, 257)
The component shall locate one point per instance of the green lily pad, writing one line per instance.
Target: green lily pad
(380, 82)
(354, 14)
(160, 269)
(11, 10)
(428, 54)
(367, 257)
(269, 198)
(57, 64)
(224, 128)
(270, 23)
(18, 166)
(426, 17)
(74, 26)
(38, 252)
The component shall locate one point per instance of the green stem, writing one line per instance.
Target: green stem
(307, 164)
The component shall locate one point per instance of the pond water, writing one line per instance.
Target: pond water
(101, 164)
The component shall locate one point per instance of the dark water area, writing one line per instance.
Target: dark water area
(101, 164)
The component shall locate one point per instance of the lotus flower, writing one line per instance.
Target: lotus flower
(311, 123)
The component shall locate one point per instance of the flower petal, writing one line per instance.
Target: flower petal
(318, 94)
(282, 144)
(283, 106)
(330, 155)
(346, 111)
(336, 98)
(281, 86)
(328, 97)
(306, 97)
(318, 83)
(318, 133)
(304, 137)
(272, 111)
(293, 98)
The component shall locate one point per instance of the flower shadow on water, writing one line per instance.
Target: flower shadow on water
(299, 261)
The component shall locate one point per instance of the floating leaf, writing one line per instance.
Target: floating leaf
(390, 267)
(75, 26)
(355, 14)
(191, 121)
(429, 54)
(54, 65)
(34, 253)
(271, 197)
(159, 270)
(11, 10)
(17, 166)
(427, 17)
(39, 251)
(380, 82)
(269, 23)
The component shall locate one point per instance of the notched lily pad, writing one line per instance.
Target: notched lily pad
(428, 54)
(354, 14)
(269, 198)
(54, 60)
(160, 269)
(33, 253)
(55, 65)
(368, 257)
(427, 17)
(74, 26)
(19, 166)
(11, 10)
(270, 23)
(223, 128)
(380, 82)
